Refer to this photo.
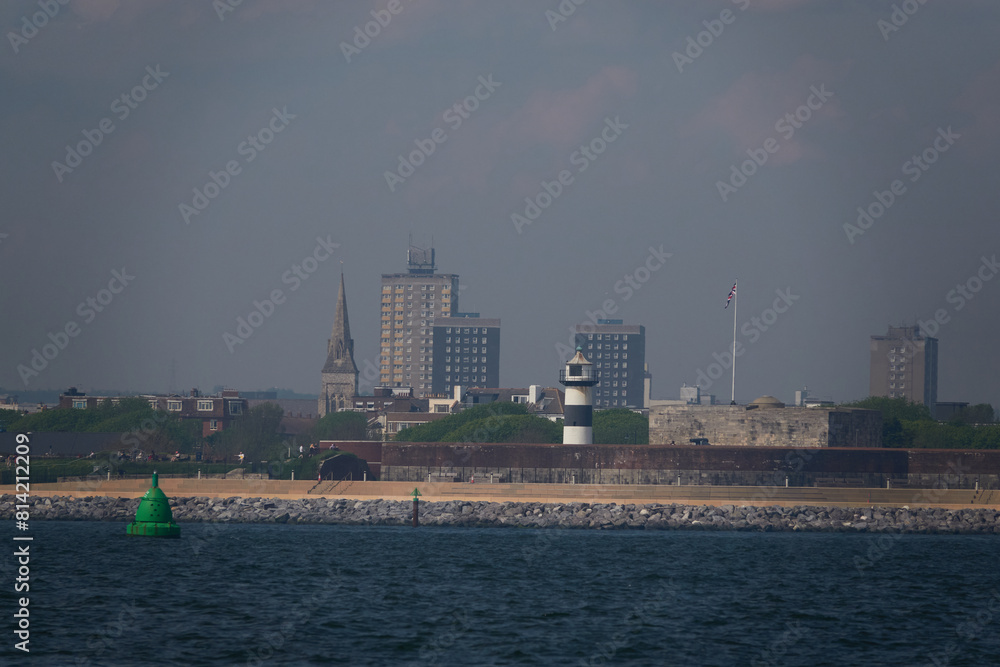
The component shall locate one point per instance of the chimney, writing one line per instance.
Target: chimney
(534, 393)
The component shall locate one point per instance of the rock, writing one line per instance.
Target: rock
(480, 513)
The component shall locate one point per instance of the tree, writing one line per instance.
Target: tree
(982, 413)
(9, 420)
(507, 428)
(255, 434)
(620, 426)
(899, 408)
(341, 426)
(436, 430)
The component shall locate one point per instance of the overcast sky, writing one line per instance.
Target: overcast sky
(833, 99)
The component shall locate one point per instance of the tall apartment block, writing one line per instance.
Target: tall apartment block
(618, 352)
(466, 352)
(410, 303)
(904, 365)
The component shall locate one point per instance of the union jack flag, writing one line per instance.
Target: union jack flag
(732, 293)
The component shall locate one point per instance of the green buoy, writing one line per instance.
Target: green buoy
(154, 518)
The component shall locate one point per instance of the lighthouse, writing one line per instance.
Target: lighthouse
(578, 377)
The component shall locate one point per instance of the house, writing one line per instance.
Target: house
(216, 413)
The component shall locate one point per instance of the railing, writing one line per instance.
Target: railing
(586, 374)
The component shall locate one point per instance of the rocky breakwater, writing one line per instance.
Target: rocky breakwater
(974, 520)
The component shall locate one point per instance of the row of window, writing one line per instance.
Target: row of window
(607, 336)
(235, 408)
(423, 288)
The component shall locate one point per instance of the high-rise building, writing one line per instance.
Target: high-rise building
(410, 303)
(466, 353)
(618, 352)
(340, 373)
(904, 365)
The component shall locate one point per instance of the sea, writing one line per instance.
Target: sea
(238, 594)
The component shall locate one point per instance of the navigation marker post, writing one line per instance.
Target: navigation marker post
(416, 510)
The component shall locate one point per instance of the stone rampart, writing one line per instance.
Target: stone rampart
(755, 426)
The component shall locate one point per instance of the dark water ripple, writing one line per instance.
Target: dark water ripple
(338, 595)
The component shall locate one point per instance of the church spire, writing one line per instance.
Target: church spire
(340, 348)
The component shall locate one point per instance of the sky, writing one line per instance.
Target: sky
(169, 168)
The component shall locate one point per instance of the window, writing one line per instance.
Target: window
(235, 408)
(214, 425)
(174, 406)
(152, 403)
(79, 403)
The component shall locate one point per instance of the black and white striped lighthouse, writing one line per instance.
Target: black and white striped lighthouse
(578, 377)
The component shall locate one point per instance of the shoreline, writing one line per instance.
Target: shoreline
(621, 494)
(469, 513)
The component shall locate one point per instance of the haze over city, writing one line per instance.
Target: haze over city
(193, 159)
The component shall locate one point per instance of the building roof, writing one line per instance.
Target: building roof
(767, 402)
(551, 400)
(340, 349)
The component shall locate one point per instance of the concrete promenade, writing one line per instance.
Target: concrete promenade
(535, 493)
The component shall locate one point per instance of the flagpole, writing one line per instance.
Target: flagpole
(736, 299)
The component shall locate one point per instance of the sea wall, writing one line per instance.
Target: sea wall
(980, 520)
(665, 464)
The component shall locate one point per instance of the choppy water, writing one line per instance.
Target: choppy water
(278, 594)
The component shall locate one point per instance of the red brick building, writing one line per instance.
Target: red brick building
(216, 413)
